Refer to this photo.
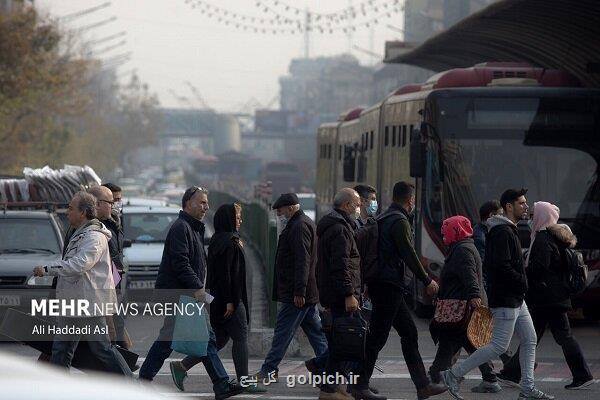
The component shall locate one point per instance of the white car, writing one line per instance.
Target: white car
(147, 228)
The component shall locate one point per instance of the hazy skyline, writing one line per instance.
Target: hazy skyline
(172, 43)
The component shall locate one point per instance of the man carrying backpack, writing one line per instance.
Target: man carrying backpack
(551, 262)
(386, 288)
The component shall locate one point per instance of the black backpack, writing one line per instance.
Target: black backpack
(578, 271)
(367, 238)
(367, 241)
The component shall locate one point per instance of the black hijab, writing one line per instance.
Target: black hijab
(224, 224)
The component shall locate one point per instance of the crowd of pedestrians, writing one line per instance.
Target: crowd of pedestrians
(350, 265)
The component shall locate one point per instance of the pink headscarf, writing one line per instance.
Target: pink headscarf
(544, 215)
(455, 229)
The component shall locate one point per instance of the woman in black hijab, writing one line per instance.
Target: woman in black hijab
(229, 315)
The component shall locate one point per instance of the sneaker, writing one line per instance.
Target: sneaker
(508, 380)
(178, 373)
(261, 376)
(254, 389)
(577, 385)
(452, 383)
(231, 389)
(535, 394)
(487, 387)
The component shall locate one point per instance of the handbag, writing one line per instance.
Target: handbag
(451, 314)
(349, 337)
(190, 334)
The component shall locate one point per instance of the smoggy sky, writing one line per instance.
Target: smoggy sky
(172, 43)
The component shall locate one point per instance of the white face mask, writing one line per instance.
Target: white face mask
(283, 220)
(357, 213)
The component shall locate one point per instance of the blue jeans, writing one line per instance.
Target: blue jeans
(289, 319)
(161, 350)
(507, 321)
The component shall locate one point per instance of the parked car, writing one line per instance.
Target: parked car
(27, 239)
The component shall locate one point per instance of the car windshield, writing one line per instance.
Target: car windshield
(28, 235)
(148, 227)
(537, 144)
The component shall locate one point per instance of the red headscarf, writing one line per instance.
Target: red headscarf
(455, 229)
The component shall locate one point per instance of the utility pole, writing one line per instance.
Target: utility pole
(307, 29)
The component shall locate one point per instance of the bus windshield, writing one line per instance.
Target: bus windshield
(549, 146)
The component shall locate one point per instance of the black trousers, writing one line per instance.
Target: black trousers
(390, 310)
(561, 331)
(448, 346)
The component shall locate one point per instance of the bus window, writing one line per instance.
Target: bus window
(371, 140)
(349, 163)
(394, 136)
(329, 151)
(403, 135)
(340, 153)
(387, 136)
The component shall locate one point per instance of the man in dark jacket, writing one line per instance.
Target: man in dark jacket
(338, 271)
(395, 253)
(295, 286)
(104, 210)
(507, 284)
(183, 268)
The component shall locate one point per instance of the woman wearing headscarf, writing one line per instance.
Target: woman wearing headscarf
(461, 279)
(548, 297)
(226, 280)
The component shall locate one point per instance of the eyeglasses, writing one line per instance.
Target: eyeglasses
(196, 189)
(107, 201)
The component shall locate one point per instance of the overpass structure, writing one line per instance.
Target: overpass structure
(561, 34)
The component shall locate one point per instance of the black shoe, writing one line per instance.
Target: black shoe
(508, 380)
(232, 388)
(432, 389)
(580, 384)
(374, 390)
(311, 366)
(365, 394)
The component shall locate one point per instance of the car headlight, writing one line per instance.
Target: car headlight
(40, 281)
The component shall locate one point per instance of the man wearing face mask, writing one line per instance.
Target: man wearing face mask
(368, 203)
(295, 286)
(396, 252)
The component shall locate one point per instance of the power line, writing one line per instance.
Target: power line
(96, 25)
(106, 39)
(77, 14)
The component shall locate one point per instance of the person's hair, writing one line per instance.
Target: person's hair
(87, 203)
(510, 196)
(487, 208)
(113, 188)
(190, 192)
(364, 190)
(344, 195)
(403, 191)
(238, 208)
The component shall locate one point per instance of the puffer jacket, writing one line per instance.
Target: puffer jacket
(85, 271)
(547, 271)
(461, 275)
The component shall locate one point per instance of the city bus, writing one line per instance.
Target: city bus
(465, 136)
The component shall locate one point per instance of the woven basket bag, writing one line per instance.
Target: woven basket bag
(480, 327)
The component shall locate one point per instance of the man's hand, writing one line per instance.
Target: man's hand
(200, 295)
(39, 271)
(351, 304)
(229, 311)
(432, 288)
(476, 302)
(299, 301)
